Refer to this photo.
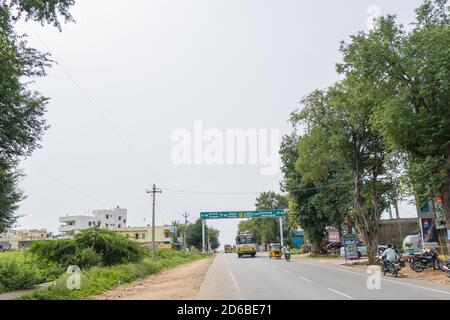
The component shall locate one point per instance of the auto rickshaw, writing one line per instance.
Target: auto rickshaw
(275, 251)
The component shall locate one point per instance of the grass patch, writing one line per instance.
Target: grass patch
(97, 280)
(325, 256)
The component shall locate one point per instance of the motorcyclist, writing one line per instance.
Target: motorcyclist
(390, 254)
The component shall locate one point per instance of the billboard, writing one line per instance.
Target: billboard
(351, 246)
(429, 232)
(334, 236)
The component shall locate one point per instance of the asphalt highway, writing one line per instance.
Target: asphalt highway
(231, 278)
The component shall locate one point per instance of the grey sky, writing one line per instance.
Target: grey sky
(152, 67)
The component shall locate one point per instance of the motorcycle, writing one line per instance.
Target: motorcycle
(287, 255)
(420, 262)
(447, 268)
(393, 267)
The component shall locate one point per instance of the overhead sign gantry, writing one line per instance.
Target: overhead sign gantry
(215, 215)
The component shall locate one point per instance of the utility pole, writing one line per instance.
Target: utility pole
(154, 191)
(185, 215)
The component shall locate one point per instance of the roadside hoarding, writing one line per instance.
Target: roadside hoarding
(334, 236)
(350, 246)
(429, 232)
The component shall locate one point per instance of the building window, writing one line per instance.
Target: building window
(118, 226)
(143, 236)
(90, 224)
(107, 216)
(120, 218)
(107, 225)
(166, 234)
(124, 221)
(136, 236)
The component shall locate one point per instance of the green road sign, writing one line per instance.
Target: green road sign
(242, 214)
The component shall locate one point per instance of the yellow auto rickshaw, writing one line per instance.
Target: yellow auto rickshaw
(275, 251)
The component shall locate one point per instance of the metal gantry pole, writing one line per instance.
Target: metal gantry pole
(281, 231)
(203, 236)
(154, 191)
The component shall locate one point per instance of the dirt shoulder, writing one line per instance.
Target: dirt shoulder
(179, 283)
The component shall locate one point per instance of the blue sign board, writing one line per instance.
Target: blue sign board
(242, 214)
(351, 246)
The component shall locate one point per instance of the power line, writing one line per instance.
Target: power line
(254, 193)
(78, 86)
(65, 184)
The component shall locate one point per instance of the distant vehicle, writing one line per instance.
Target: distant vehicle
(246, 245)
(228, 248)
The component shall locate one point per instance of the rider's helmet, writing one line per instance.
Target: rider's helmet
(390, 246)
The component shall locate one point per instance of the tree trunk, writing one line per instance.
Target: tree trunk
(367, 226)
(445, 190)
(397, 212)
(315, 246)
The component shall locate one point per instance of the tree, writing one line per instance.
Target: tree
(318, 198)
(412, 71)
(340, 144)
(194, 235)
(22, 110)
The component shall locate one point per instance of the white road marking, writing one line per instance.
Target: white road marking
(287, 271)
(383, 279)
(307, 280)
(340, 293)
(234, 280)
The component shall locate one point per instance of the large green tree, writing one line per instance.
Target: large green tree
(411, 70)
(339, 147)
(22, 109)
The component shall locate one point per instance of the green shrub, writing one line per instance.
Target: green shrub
(20, 271)
(96, 280)
(93, 247)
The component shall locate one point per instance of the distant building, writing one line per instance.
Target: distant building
(8, 241)
(143, 235)
(107, 219)
(18, 239)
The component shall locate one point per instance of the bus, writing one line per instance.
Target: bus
(246, 245)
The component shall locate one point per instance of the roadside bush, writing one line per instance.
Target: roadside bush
(93, 247)
(96, 280)
(20, 271)
(113, 248)
(15, 276)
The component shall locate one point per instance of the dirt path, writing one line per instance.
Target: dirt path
(179, 283)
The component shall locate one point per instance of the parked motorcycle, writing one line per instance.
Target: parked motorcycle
(447, 268)
(393, 267)
(420, 262)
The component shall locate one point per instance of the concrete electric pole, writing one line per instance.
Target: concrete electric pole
(185, 215)
(154, 191)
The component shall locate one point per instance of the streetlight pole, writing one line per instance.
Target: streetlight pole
(154, 191)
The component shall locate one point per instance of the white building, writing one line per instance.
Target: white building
(108, 219)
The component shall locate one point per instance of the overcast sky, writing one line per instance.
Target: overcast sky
(132, 72)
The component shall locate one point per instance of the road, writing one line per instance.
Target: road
(231, 278)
